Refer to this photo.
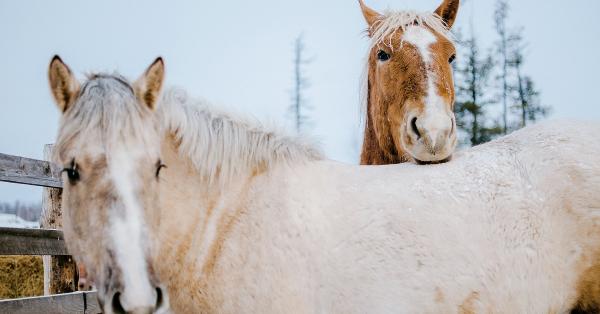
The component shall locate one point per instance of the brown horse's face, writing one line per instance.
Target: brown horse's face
(413, 87)
(411, 91)
(110, 194)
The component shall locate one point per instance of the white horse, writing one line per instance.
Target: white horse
(248, 220)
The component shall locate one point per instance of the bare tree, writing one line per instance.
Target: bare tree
(299, 107)
(526, 96)
(500, 16)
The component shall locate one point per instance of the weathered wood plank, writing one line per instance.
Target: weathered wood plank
(60, 272)
(23, 170)
(76, 302)
(91, 303)
(18, 241)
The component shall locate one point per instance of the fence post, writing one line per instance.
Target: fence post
(60, 272)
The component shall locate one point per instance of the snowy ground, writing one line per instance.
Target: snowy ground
(13, 221)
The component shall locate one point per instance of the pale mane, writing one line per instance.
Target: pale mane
(223, 146)
(220, 145)
(384, 29)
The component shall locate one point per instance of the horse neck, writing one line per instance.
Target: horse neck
(212, 161)
(195, 214)
(183, 182)
(377, 149)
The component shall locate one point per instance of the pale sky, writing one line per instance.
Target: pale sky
(239, 54)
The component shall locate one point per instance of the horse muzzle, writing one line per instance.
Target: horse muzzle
(430, 139)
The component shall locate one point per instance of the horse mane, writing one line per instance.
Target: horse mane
(223, 146)
(220, 145)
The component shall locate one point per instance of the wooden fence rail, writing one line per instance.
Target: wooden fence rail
(76, 302)
(18, 241)
(23, 170)
(60, 272)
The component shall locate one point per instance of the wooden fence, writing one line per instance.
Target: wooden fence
(60, 272)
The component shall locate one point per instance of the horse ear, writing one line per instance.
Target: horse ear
(63, 85)
(371, 16)
(448, 11)
(148, 86)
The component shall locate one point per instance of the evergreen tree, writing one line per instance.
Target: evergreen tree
(473, 73)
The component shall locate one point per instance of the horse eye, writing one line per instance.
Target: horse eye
(382, 55)
(72, 172)
(452, 58)
(159, 165)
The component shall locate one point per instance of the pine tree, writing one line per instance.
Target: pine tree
(471, 114)
(299, 107)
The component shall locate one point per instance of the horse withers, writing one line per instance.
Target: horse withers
(246, 219)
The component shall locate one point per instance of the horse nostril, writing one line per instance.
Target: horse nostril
(117, 307)
(413, 125)
(159, 297)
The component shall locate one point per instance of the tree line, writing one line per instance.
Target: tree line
(493, 94)
(27, 211)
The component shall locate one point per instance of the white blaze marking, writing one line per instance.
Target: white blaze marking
(126, 232)
(421, 38)
(435, 117)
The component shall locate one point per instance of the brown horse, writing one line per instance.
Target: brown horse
(409, 86)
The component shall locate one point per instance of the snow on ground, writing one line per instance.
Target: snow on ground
(14, 221)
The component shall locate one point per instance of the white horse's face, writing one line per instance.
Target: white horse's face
(109, 147)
